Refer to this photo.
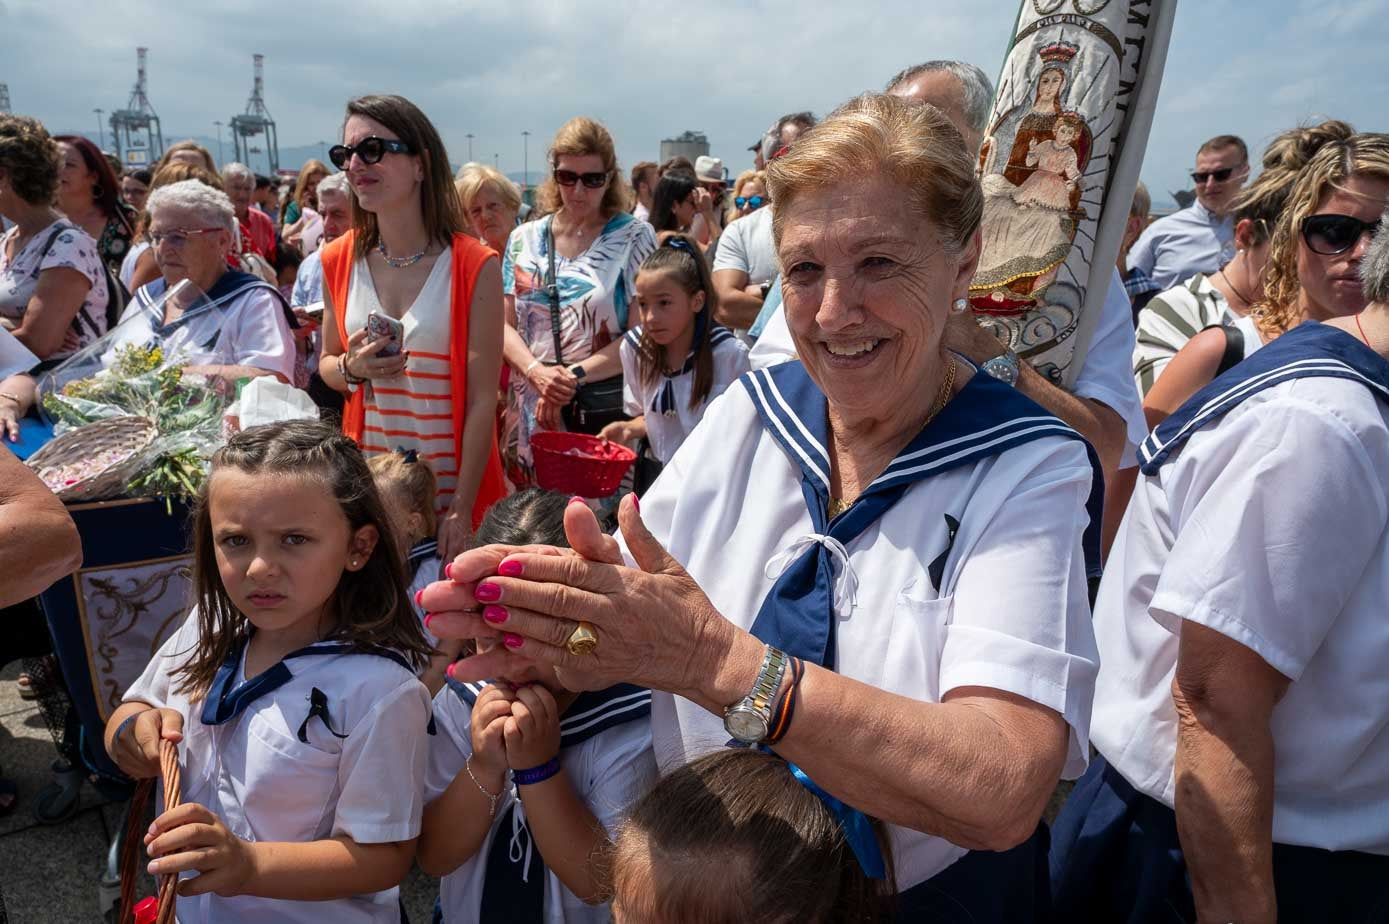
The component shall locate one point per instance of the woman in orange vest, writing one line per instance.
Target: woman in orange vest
(422, 373)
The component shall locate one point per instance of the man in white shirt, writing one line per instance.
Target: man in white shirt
(1200, 238)
(644, 178)
(1104, 406)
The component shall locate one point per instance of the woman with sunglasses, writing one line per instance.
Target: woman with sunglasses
(1242, 698)
(1320, 226)
(749, 195)
(570, 279)
(412, 320)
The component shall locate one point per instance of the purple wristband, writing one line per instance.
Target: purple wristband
(536, 774)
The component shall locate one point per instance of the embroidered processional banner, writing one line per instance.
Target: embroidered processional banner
(1059, 165)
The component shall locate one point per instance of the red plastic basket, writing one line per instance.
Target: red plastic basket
(576, 463)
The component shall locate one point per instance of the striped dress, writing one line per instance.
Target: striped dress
(413, 410)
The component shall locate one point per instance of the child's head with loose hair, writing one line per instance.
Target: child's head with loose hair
(408, 490)
(289, 533)
(735, 837)
(675, 296)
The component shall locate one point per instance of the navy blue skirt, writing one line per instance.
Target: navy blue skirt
(984, 887)
(1116, 857)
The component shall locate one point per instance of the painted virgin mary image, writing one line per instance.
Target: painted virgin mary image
(1033, 161)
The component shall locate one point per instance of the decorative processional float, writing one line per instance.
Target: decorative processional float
(1059, 165)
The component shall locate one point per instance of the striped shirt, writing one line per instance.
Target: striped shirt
(413, 410)
(1169, 320)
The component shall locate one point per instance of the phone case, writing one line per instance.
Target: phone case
(380, 327)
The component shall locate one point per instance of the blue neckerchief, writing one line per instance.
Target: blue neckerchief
(1309, 350)
(226, 701)
(986, 418)
(513, 886)
(664, 402)
(420, 553)
(858, 830)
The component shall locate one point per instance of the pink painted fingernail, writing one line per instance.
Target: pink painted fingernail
(427, 617)
(512, 641)
(449, 669)
(510, 568)
(495, 614)
(448, 571)
(419, 593)
(636, 503)
(488, 593)
(576, 499)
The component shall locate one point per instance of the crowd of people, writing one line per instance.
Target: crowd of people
(873, 589)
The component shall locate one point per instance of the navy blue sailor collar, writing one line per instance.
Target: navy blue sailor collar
(229, 286)
(591, 713)
(1310, 350)
(420, 553)
(664, 401)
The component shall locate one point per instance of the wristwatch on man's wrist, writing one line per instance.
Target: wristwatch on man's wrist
(1005, 368)
(579, 372)
(750, 719)
(766, 287)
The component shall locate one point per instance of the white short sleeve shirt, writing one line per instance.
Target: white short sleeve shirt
(747, 245)
(1269, 526)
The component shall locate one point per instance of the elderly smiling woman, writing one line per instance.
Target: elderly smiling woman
(238, 324)
(869, 561)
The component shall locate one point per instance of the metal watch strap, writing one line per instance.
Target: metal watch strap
(768, 679)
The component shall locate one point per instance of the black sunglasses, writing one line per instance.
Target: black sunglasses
(591, 180)
(1332, 234)
(1220, 176)
(370, 150)
(755, 201)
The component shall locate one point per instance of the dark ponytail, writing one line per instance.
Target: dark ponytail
(681, 257)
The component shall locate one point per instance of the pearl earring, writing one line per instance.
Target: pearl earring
(960, 306)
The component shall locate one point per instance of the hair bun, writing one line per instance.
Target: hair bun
(1293, 149)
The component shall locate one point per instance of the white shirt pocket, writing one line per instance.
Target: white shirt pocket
(911, 661)
(284, 790)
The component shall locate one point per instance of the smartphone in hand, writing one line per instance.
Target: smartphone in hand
(381, 327)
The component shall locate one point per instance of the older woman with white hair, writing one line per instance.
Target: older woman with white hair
(238, 324)
(868, 560)
(1242, 702)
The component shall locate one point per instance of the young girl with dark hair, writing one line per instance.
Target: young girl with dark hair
(291, 688)
(526, 779)
(738, 835)
(678, 360)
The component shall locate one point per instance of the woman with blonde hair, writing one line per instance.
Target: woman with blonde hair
(412, 319)
(186, 152)
(569, 280)
(749, 195)
(490, 203)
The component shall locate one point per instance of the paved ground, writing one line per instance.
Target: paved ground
(51, 874)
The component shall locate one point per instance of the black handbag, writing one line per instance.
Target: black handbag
(595, 404)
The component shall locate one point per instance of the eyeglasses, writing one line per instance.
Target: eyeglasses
(179, 236)
(1220, 176)
(755, 202)
(1332, 234)
(370, 150)
(591, 180)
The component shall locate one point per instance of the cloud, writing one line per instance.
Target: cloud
(649, 70)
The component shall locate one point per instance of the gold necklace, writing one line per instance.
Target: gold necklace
(947, 388)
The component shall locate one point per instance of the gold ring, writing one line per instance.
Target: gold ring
(582, 640)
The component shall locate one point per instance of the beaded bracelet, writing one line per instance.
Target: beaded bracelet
(536, 774)
(491, 797)
(785, 708)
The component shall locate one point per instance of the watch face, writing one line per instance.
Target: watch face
(745, 724)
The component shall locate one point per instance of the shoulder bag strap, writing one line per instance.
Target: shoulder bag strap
(552, 290)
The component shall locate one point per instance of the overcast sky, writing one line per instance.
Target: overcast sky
(652, 70)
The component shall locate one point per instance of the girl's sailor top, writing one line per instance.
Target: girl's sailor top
(605, 749)
(666, 402)
(1264, 516)
(960, 566)
(328, 742)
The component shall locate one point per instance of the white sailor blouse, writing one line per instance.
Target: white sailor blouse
(605, 748)
(1264, 515)
(961, 565)
(327, 742)
(666, 403)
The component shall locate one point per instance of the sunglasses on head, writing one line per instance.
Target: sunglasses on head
(370, 150)
(572, 178)
(1220, 176)
(1332, 234)
(753, 201)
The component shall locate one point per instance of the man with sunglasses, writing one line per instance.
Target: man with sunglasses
(1201, 237)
